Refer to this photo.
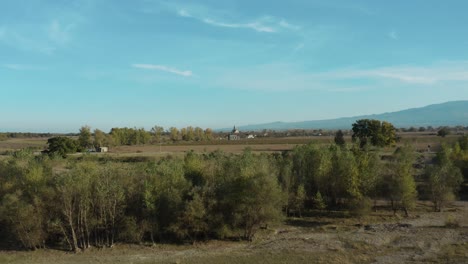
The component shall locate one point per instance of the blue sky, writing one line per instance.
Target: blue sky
(140, 63)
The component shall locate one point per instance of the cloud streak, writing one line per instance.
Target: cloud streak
(20, 67)
(266, 24)
(58, 32)
(254, 25)
(287, 77)
(287, 25)
(44, 38)
(393, 35)
(163, 68)
(425, 75)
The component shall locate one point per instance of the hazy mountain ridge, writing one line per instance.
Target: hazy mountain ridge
(446, 114)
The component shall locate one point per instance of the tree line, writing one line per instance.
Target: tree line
(89, 140)
(97, 201)
(139, 136)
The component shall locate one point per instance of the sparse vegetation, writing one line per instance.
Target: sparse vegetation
(94, 201)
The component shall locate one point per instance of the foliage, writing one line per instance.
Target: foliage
(319, 203)
(375, 132)
(24, 199)
(89, 202)
(84, 138)
(101, 139)
(62, 146)
(443, 178)
(339, 138)
(342, 176)
(174, 133)
(249, 195)
(157, 132)
(443, 132)
(130, 136)
(460, 155)
(398, 180)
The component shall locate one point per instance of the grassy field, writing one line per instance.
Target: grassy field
(20, 143)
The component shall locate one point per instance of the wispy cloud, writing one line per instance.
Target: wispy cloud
(283, 23)
(287, 77)
(44, 37)
(254, 25)
(266, 24)
(163, 68)
(454, 71)
(298, 47)
(25, 39)
(21, 67)
(59, 32)
(393, 35)
(184, 13)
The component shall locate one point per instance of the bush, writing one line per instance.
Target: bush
(451, 222)
(361, 207)
(131, 231)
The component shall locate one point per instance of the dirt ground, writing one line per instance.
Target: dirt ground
(424, 237)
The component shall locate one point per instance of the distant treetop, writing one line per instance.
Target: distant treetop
(375, 132)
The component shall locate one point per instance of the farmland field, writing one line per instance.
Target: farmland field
(419, 141)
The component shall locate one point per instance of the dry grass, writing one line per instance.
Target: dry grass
(21, 143)
(419, 140)
(321, 238)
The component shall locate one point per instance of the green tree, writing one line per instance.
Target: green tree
(345, 173)
(199, 135)
(296, 200)
(248, 194)
(141, 136)
(193, 220)
(319, 203)
(100, 138)
(399, 180)
(174, 134)
(62, 146)
(443, 132)
(23, 220)
(84, 138)
(157, 132)
(311, 166)
(375, 132)
(208, 134)
(339, 138)
(109, 199)
(444, 179)
(165, 188)
(24, 199)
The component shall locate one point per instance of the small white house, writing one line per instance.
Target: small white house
(250, 136)
(102, 149)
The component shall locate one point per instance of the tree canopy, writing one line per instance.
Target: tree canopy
(339, 138)
(62, 146)
(374, 132)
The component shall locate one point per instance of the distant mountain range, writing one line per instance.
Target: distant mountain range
(446, 114)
